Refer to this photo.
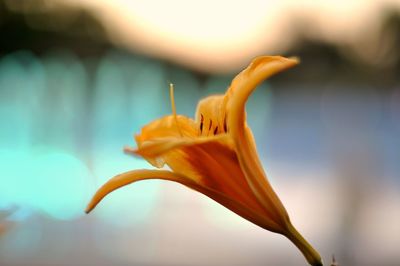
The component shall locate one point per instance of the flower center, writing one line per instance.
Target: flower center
(208, 127)
(211, 116)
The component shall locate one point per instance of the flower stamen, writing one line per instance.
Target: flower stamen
(225, 126)
(201, 123)
(216, 131)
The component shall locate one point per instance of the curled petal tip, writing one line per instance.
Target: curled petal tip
(295, 59)
(131, 151)
(289, 62)
(89, 208)
(128, 149)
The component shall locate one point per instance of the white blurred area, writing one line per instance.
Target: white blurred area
(331, 152)
(221, 36)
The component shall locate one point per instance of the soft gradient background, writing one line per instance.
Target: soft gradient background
(79, 78)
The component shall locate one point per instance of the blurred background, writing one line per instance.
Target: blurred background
(79, 78)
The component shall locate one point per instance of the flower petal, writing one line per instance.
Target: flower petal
(138, 175)
(211, 161)
(208, 160)
(241, 88)
(157, 147)
(167, 126)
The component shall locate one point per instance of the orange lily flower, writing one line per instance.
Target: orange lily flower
(215, 154)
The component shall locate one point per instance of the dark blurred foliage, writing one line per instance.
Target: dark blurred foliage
(323, 61)
(39, 26)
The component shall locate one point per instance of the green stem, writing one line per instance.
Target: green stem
(308, 251)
